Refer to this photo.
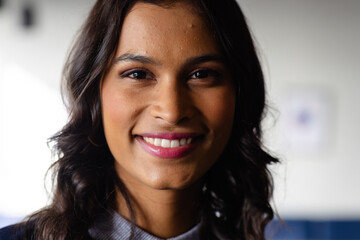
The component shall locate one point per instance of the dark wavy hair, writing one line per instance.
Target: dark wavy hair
(235, 198)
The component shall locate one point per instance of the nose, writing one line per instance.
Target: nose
(172, 103)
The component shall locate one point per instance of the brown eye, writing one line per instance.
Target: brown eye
(205, 73)
(200, 74)
(138, 75)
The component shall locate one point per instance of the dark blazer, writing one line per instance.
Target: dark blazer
(14, 232)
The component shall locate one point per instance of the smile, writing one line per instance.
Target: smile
(168, 145)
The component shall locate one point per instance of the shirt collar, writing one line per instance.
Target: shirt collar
(112, 226)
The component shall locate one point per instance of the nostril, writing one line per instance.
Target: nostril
(172, 116)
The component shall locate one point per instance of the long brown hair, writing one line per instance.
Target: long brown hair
(235, 197)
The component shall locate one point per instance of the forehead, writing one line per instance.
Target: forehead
(179, 12)
(165, 27)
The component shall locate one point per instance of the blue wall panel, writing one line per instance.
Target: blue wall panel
(302, 229)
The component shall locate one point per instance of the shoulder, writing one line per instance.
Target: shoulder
(9, 232)
(15, 232)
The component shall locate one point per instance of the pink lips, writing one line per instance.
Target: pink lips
(162, 152)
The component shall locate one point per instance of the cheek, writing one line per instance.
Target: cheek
(113, 109)
(117, 114)
(118, 104)
(220, 111)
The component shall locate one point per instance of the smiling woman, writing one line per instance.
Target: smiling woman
(185, 94)
(164, 138)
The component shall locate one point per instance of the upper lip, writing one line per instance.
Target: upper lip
(170, 136)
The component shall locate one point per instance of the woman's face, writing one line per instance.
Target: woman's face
(168, 100)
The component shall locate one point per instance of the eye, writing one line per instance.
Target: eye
(200, 74)
(137, 74)
(205, 75)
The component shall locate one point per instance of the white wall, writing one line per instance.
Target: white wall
(309, 49)
(31, 109)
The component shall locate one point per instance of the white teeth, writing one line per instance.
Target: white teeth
(175, 143)
(149, 140)
(157, 142)
(166, 143)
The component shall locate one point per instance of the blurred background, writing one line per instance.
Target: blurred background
(311, 57)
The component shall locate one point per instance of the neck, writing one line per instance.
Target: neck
(163, 213)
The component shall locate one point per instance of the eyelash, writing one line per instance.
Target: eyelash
(146, 75)
(136, 71)
(210, 73)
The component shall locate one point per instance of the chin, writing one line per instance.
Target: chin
(172, 181)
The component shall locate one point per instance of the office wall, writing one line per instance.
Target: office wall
(311, 57)
(31, 109)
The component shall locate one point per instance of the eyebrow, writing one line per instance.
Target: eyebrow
(130, 57)
(205, 58)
